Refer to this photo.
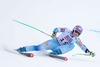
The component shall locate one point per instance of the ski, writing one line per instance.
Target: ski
(27, 54)
(18, 53)
(32, 55)
(46, 53)
(58, 57)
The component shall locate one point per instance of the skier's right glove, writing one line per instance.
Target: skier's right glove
(54, 35)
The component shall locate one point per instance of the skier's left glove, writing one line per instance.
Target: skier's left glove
(91, 53)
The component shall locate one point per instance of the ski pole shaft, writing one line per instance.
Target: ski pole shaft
(31, 27)
(98, 31)
(80, 54)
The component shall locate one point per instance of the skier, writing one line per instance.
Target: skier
(61, 44)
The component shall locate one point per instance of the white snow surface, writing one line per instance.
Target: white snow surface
(46, 15)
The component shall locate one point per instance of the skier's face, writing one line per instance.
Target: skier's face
(76, 33)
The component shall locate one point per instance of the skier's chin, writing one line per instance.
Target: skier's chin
(75, 35)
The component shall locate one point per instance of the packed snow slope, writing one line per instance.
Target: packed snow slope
(46, 15)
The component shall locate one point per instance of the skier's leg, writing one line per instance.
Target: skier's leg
(63, 49)
(50, 44)
(28, 48)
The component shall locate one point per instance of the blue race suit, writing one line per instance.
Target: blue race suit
(62, 44)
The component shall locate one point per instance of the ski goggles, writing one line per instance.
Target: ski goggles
(77, 32)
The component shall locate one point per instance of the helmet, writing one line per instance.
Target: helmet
(78, 28)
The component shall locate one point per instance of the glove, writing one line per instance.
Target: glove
(54, 35)
(91, 53)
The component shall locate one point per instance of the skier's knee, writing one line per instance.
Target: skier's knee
(37, 48)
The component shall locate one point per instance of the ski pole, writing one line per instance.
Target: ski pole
(31, 27)
(81, 54)
(98, 31)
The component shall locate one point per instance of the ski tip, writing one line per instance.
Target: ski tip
(65, 58)
(31, 55)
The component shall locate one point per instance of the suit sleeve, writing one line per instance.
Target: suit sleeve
(82, 46)
(56, 30)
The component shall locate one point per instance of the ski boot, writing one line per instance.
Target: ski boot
(21, 49)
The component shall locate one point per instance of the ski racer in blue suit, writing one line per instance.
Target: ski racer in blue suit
(61, 44)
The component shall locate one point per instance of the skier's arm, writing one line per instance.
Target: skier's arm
(56, 30)
(84, 48)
